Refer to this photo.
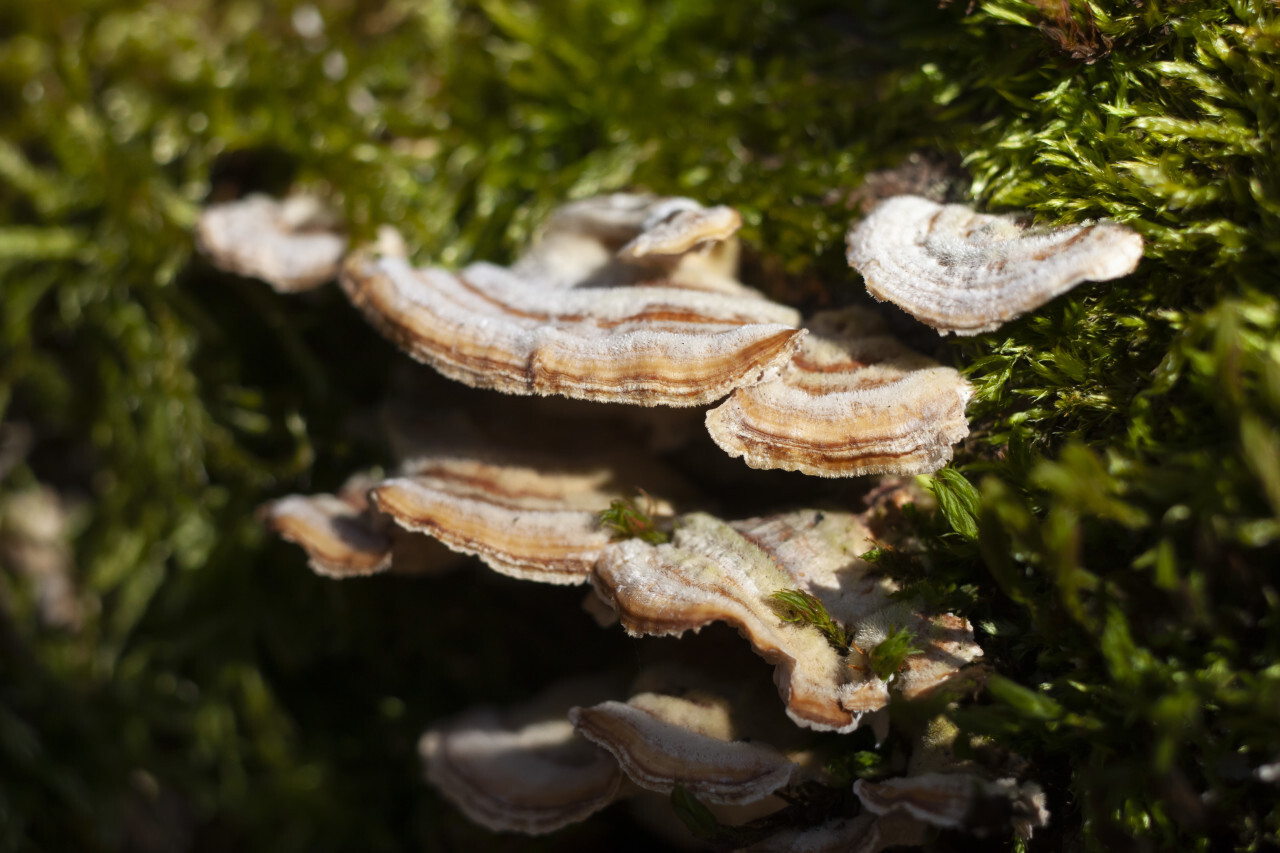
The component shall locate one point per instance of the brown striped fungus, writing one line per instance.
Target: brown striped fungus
(533, 523)
(852, 401)
(662, 741)
(942, 790)
(575, 319)
(966, 272)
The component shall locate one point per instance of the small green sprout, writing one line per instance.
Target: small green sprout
(892, 652)
(696, 816)
(628, 521)
(796, 605)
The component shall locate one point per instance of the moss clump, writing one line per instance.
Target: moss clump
(890, 654)
(796, 605)
(625, 520)
(1111, 526)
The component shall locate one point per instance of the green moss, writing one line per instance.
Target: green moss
(891, 653)
(1111, 526)
(796, 605)
(627, 521)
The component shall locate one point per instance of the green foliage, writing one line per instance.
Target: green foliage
(892, 652)
(957, 500)
(627, 521)
(796, 605)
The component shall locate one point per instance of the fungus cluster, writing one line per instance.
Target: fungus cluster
(634, 299)
(586, 743)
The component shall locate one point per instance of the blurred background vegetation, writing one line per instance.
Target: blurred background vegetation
(172, 680)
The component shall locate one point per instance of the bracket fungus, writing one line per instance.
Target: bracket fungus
(718, 572)
(345, 536)
(536, 522)
(341, 540)
(519, 482)
(674, 227)
(664, 741)
(563, 320)
(966, 272)
(851, 401)
(523, 770)
(943, 790)
(293, 245)
(957, 801)
(628, 238)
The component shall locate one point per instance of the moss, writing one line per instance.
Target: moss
(1111, 526)
(891, 653)
(796, 605)
(625, 520)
